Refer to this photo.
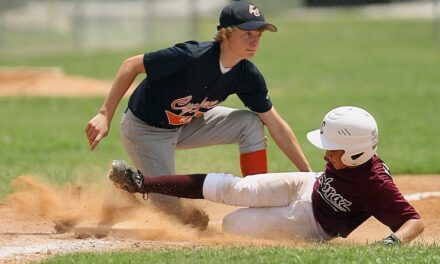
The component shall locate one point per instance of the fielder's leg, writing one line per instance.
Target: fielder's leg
(153, 152)
(223, 125)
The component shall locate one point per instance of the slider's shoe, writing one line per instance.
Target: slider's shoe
(125, 178)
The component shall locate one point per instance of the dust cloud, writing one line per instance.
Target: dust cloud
(101, 204)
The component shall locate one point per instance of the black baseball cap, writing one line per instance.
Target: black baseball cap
(245, 16)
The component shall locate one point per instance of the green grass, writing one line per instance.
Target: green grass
(317, 254)
(46, 137)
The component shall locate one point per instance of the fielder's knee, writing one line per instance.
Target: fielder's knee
(252, 131)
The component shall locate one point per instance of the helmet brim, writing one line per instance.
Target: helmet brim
(315, 137)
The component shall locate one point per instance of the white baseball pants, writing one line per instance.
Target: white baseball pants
(279, 204)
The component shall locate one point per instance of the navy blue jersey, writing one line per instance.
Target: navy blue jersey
(344, 199)
(185, 81)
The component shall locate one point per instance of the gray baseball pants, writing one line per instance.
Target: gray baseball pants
(153, 149)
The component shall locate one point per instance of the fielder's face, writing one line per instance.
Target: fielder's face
(334, 157)
(244, 44)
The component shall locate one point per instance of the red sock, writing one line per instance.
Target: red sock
(253, 162)
(183, 186)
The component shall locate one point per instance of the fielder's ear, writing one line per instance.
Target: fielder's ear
(222, 33)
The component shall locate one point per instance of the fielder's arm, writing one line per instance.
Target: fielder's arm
(285, 138)
(99, 126)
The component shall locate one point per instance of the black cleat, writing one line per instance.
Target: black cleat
(126, 178)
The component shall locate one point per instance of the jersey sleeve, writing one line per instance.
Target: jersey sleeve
(166, 62)
(390, 207)
(253, 91)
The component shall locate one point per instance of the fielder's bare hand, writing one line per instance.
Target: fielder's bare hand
(97, 129)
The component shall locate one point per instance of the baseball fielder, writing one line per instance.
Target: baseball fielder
(176, 105)
(355, 185)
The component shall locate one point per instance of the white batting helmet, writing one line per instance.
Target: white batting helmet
(347, 128)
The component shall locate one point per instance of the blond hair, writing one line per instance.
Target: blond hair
(222, 33)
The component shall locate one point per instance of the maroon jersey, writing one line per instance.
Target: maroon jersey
(344, 199)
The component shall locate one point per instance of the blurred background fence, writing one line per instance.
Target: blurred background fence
(38, 26)
(48, 25)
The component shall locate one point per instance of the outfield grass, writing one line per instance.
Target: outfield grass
(317, 254)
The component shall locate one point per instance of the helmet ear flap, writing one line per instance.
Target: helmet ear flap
(358, 158)
(350, 159)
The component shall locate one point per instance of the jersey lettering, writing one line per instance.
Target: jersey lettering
(187, 110)
(331, 197)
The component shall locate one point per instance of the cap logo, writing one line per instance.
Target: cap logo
(254, 10)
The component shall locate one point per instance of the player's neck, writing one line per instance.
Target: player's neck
(228, 58)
